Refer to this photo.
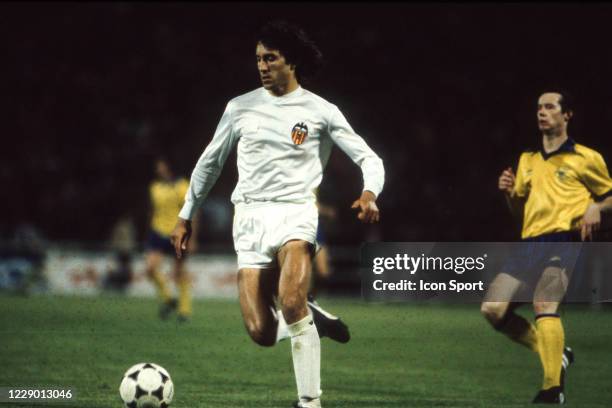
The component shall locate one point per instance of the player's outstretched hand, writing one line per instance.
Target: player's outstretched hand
(590, 222)
(180, 236)
(506, 180)
(368, 210)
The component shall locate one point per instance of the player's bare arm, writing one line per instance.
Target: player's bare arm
(180, 236)
(192, 243)
(368, 210)
(591, 221)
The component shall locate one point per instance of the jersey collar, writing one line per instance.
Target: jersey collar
(569, 146)
(296, 92)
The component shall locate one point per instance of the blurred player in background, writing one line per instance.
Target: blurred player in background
(561, 190)
(123, 243)
(167, 195)
(284, 135)
(322, 266)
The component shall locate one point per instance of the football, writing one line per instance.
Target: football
(146, 385)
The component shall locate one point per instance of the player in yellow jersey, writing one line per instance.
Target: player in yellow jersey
(561, 190)
(167, 195)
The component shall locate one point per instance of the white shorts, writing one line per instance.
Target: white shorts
(262, 228)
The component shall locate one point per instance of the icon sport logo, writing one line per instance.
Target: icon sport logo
(299, 133)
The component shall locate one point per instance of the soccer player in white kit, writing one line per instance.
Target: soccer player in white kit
(284, 136)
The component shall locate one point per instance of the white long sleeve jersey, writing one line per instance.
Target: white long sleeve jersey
(284, 143)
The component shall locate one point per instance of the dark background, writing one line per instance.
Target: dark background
(446, 94)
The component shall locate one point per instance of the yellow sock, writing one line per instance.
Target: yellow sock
(162, 286)
(551, 338)
(521, 331)
(184, 284)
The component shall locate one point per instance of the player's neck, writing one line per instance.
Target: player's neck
(284, 89)
(166, 178)
(552, 141)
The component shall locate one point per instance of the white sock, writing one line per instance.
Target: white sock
(283, 332)
(306, 353)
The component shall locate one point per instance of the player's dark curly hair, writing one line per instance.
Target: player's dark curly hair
(293, 43)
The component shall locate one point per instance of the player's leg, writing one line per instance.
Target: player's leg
(551, 336)
(262, 316)
(498, 309)
(295, 272)
(294, 259)
(328, 325)
(153, 260)
(183, 281)
(256, 289)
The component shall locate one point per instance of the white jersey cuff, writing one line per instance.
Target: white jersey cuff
(374, 189)
(187, 211)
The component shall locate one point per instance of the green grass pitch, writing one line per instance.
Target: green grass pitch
(400, 355)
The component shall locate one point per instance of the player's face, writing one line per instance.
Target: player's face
(274, 72)
(162, 169)
(550, 117)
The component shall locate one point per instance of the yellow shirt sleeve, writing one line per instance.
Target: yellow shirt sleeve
(596, 176)
(523, 174)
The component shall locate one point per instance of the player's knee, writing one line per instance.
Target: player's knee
(298, 247)
(541, 307)
(259, 333)
(152, 261)
(493, 312)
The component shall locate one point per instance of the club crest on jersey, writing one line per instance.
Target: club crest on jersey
(562, 173)
(299, 133)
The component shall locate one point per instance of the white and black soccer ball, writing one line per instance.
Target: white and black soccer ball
(146, 385)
